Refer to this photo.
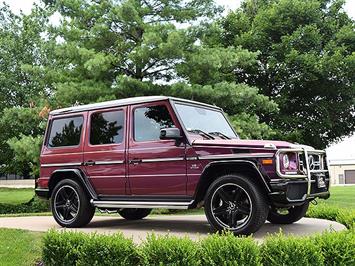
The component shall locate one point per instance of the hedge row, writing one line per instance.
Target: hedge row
(34, 205)
(74, 248)
(340, 215)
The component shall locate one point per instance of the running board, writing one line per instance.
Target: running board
(140, 204)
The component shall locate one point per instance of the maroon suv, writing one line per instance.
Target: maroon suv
(132, 155)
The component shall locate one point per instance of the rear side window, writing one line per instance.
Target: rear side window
(106, 128)
(148, 121)
(65, 132)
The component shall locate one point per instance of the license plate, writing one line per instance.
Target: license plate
(321, 182)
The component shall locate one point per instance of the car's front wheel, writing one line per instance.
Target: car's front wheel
(70, 204)
(287, 216)
(134, 214)
(235, 203)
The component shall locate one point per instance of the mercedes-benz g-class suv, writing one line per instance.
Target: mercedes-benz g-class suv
(135, 154)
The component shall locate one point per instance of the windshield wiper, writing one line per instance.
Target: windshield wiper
(202, 133)
(219, 134)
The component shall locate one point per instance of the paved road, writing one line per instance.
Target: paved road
(194, 226)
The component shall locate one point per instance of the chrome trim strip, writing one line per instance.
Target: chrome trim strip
(193, 158)
(108, 162)
(163, 160)
(42, 189)
(236, 156)
(60, 164)
(140, 204)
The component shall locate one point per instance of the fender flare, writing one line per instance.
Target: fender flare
(82, 178)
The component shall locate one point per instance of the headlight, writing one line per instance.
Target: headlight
(285, 161)
(289, 162)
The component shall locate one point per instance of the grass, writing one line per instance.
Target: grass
(20, 247)
(341, 196)
(16, 195)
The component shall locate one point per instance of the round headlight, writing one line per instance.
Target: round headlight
(286, 161)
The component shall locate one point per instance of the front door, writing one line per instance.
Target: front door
(156, 167)
(104, 151)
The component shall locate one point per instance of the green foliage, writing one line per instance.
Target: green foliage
(34, 205)
(62, 248)
(169, 250)
(227, 249)
(305, 64)
(108, 250)
(338, 248)
(281, 250)
(343, 216)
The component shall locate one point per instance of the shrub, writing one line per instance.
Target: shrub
(62, 248)
(34, 205)
(108, 250)
(169, 250)
(280, 250)
(229, 250)
(338, 248)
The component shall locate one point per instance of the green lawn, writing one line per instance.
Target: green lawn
(341, 196)
(19, 247)
(16, 195)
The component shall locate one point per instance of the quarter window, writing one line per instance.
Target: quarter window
(148, 121)
(65, 132)
(106, 128)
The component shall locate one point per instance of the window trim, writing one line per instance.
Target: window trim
(108, 144)
(50, 130)
(147, 106)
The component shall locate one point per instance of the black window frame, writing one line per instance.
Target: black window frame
(107, 111)
(50, 130)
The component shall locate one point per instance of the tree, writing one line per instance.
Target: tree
(306, 64)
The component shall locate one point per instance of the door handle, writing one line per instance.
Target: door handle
(135, 161)
(89, 163)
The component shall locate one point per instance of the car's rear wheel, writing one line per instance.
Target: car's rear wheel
(235, 203)
(134, 214)
(70, 204)
(289, 215)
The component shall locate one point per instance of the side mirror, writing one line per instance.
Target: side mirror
(170, 133)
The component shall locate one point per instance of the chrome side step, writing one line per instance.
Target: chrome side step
(140, 204)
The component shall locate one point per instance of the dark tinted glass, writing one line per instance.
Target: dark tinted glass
(106, 128)
(148, 121)
(65, 132)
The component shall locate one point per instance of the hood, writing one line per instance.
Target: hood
(244, 143)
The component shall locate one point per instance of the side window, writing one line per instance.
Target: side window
(106, 128)
(148, 121)
(65, 132)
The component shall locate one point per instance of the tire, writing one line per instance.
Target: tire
(292, 214)
(134, 214)
(70, 204)
(234, 203)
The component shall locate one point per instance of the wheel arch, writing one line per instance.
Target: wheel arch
(74, 174)
(219, 168)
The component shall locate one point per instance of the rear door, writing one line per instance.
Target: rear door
(156, 167)
(104, 151)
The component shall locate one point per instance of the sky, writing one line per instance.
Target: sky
(344, 149)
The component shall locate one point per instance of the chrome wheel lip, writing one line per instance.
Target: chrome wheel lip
(244, 220)
(55, 209)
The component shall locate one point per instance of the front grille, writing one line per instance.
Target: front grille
(315, 162)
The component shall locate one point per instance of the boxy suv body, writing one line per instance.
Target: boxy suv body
(132, 155)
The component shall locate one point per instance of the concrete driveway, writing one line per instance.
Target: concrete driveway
(194, 226)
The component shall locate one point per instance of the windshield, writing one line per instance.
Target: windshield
(197, 118)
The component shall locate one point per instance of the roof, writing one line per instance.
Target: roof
(123, 102)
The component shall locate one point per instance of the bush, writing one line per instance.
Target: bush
(108, 250)
(62, 248)
(34, 205)
(229, 250)
(338, 248)
(281, 250)
(343, 216)
(169, 250)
